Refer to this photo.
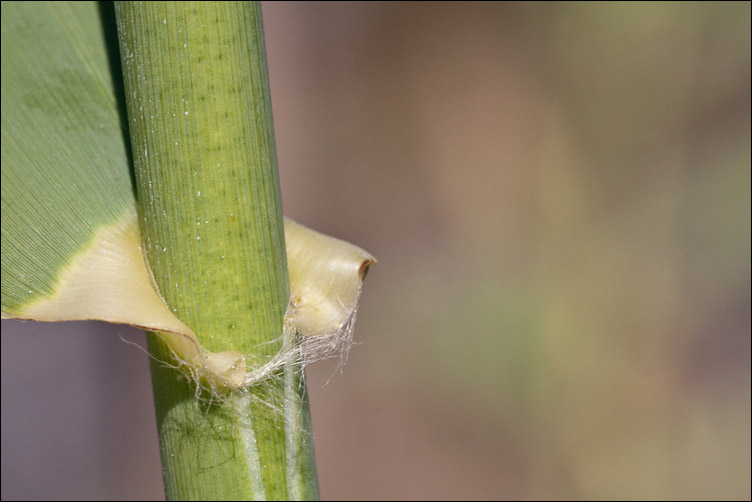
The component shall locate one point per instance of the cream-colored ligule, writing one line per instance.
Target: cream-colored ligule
(110, 281)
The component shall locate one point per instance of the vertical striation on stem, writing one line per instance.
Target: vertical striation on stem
(200, 120)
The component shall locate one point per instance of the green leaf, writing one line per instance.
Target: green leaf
(71, 248)
(64, 162)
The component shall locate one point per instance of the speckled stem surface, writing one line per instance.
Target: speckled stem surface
(200, 120)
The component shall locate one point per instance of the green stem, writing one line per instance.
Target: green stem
(200, 120)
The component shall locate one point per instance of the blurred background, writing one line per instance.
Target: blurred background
(559, 199)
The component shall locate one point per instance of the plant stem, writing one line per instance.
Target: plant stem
(202, 137)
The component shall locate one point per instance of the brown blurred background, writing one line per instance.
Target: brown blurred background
(559, 199)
